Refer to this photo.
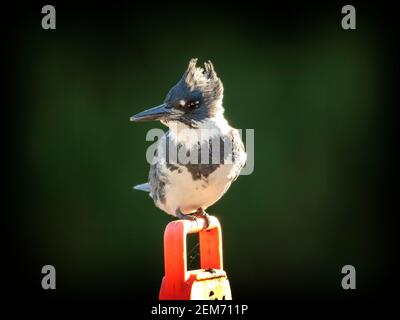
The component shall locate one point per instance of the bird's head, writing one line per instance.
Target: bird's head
(196, 97)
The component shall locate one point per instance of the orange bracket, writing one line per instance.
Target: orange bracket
(208, 283)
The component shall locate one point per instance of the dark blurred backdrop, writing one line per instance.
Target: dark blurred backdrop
(317, 96)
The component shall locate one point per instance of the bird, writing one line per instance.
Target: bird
(198, 158)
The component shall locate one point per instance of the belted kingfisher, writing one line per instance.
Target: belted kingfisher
(200, 155)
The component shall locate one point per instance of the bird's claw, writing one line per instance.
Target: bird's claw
(200, 213)
(183, 216)
(213, 271)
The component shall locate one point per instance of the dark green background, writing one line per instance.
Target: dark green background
(315, 94)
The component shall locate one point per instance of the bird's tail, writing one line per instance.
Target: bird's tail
(143, 187)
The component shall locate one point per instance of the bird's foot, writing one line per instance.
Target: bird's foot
(183, 216)
(202, 214)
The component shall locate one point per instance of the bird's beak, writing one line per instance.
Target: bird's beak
(157, 113)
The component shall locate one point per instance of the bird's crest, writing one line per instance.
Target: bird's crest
(196, 75)
(205, 79)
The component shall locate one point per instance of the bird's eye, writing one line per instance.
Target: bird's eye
(193, 104)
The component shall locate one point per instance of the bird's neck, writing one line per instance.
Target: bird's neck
(210, 127)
